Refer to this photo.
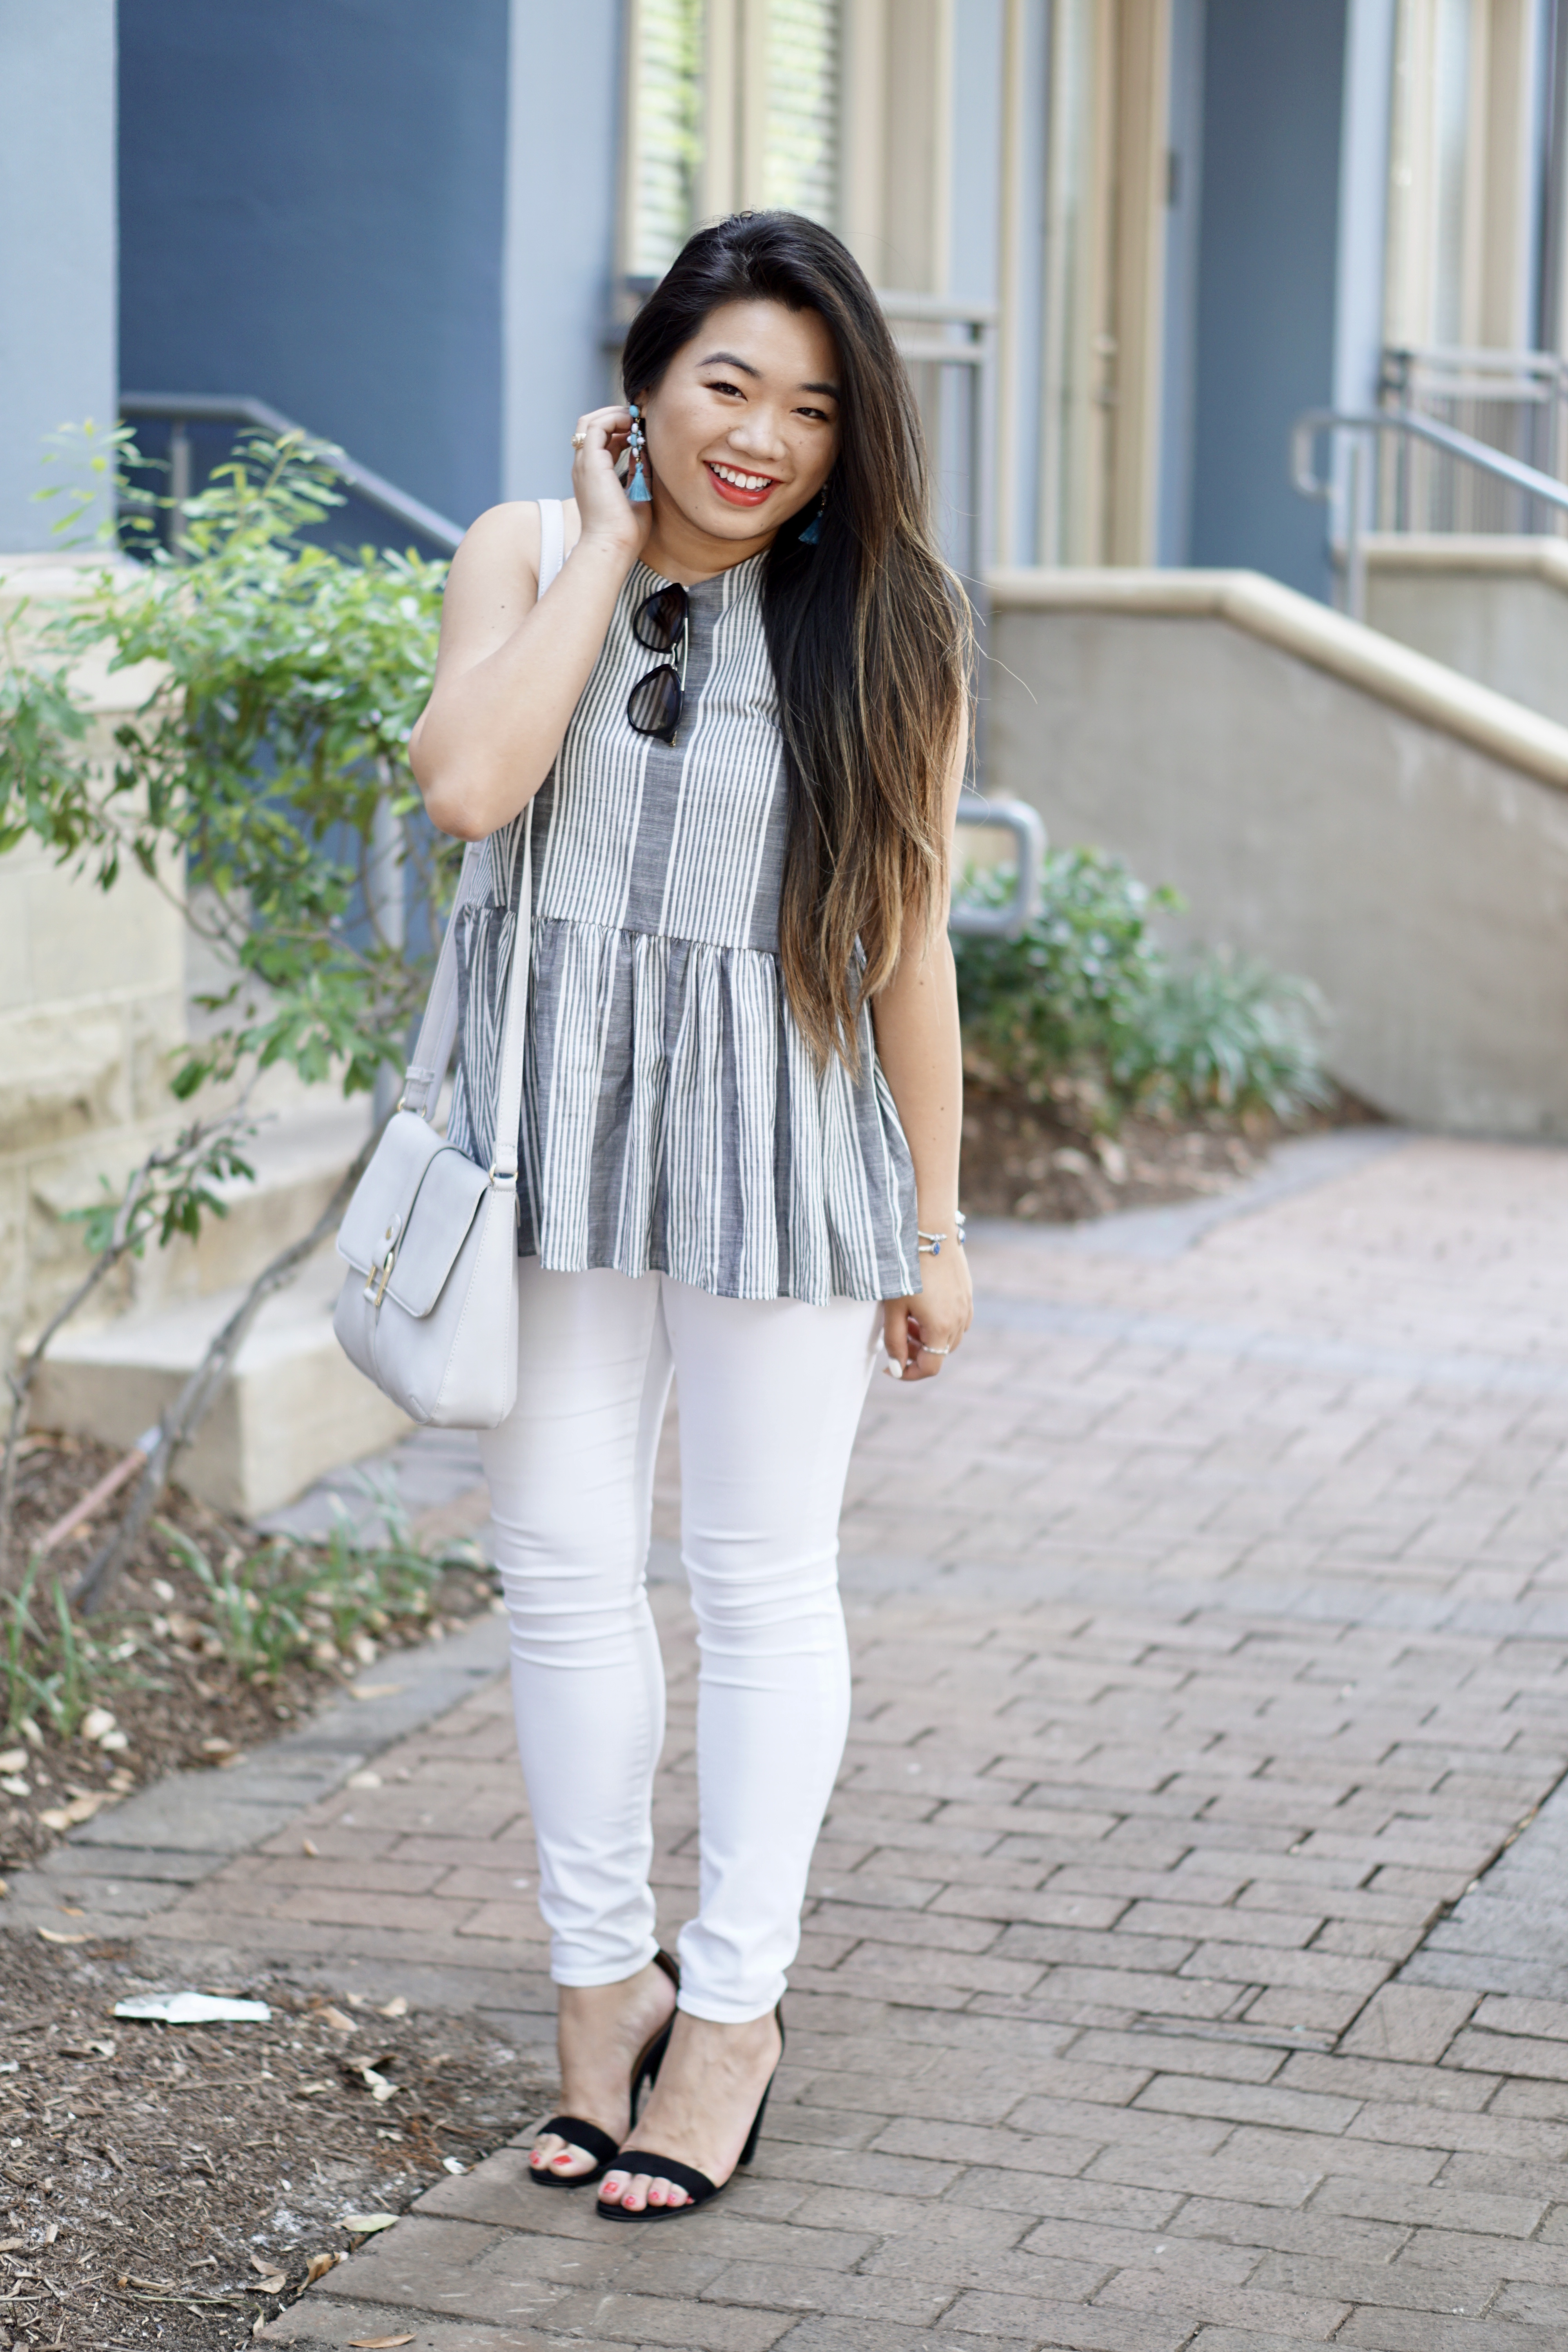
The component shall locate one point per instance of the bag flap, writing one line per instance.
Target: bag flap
(375, 1217)
(438, 1225)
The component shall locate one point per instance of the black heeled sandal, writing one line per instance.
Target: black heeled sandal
(699, 2190)
(579, 2133)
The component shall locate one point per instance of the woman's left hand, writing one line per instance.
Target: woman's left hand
(922, 1332)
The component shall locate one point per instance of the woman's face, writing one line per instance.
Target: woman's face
(743, 430)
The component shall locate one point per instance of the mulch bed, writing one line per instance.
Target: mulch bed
(173, 2186)
(1043, 1159)
(174, 1697)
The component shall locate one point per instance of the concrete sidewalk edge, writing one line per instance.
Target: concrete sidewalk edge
(178, 1830)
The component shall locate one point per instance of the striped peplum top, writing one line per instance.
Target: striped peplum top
(673, 1118)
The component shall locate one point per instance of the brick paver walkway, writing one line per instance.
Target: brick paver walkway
(1210, 1620)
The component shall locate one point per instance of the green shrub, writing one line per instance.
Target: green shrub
(1229, 1035)
(1087, 1001)
(285, 680)
(287, 1601)
(1068, 994)
(48, 1666)
(266, 1608)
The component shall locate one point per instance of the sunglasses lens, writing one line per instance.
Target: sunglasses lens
(659, 618)
(653, 706)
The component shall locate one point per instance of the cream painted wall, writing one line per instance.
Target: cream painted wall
(92, 1000)
(94, 990)
(1496, 611)
(1421, 881)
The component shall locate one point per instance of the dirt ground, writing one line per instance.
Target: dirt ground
(177, 1702)
(1040, 1161)
(169, 2186)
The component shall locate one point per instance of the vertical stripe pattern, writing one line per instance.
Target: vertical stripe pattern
(673, 1118)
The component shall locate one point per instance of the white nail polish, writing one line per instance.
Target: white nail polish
(893, 1368)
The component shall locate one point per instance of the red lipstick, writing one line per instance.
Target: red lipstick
(733, 493)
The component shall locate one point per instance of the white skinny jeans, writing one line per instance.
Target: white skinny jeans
(771, 1392)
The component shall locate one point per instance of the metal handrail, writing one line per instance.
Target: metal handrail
(1367, 425)
(1027, 829)
(183, 408)
(1486, 360)
(938, 310)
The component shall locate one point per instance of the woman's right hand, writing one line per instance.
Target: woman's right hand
(605, 511)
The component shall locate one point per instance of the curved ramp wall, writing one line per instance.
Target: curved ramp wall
(1322, 797)
(1494, 609)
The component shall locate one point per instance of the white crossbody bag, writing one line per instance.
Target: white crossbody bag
(428, 1311)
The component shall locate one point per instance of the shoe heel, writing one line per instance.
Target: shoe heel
(754, 2135)
(648, 2069)
(645, 2073)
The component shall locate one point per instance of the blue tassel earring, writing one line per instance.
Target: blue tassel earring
(636, 483)
(813, 530)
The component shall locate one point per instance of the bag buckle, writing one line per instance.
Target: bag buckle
(376, 1291)
(383, 1266)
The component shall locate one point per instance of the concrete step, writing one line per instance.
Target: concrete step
(294, 1409)
(298, 1159)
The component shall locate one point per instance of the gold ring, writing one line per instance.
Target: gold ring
(578, 440)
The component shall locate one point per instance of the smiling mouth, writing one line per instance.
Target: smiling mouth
(738, 487)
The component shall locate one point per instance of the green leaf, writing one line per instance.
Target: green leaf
(1088, 994)
(291, 676)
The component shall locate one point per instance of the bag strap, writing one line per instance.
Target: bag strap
(438, 1030)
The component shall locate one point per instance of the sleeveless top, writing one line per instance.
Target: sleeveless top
(673, 1118)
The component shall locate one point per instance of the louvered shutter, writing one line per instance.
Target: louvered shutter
(801, 162)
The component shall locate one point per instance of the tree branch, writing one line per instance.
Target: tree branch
(184, 1417)
(132, 1221)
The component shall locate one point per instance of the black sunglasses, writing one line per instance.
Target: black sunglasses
(661, 621)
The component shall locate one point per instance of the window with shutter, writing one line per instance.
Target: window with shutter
(800, 166)
(733, 102)
(667, 133)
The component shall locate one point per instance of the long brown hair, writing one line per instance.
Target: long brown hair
(868, 628)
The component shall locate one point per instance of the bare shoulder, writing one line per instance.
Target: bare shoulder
(505, 540)
(506, 536)
(493, 583)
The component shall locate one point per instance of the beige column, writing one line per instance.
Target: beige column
(751, 103)
(1499, 306)
(1140, 207)
(1105, 266)
(862, 147)
(1011, 423)
(723, 46)
(917, 174)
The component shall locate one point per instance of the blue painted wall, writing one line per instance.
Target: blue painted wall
(312, 210)
(562, 194)
(1273, 104)
(56, 247)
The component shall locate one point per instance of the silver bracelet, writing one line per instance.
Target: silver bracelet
(930, 1244)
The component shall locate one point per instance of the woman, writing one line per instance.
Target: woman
(739, 713)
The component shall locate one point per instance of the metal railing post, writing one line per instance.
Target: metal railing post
(1355, 546)
(1411, 430)
(1027, 829)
